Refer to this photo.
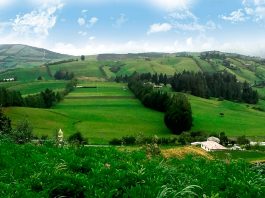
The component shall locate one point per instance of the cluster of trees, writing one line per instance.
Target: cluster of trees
(212, 55)
(178, 115)
(219, 85)
(44, 99)
(48, 98)
(63, 75)
(154, 78)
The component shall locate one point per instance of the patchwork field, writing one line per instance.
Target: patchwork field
(101, 113)
(109, 110)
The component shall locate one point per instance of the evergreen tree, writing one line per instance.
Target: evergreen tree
(178, 117)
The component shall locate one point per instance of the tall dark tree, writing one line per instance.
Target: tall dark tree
(49, 98)
(178, 117)
(82, 57)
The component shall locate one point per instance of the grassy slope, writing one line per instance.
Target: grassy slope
(238, 119)
(26, 74)
(36, 86)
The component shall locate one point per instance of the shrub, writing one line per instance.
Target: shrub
(128, 140)
(23, 132)
(77, 139)
(115, 141)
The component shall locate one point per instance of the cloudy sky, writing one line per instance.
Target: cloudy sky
(121, 26)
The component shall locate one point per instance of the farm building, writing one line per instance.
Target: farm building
(212, 146)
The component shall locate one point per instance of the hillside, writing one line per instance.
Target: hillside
(105, 111)
(15, 55)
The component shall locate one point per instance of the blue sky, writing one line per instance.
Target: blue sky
(123, 26)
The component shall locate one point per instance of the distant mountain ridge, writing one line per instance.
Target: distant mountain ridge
(17, 55)
(114, 56)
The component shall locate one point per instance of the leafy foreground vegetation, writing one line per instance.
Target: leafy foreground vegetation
(46, 171)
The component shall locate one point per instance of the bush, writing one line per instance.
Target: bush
(115, 141)
(77, 139)
(23, 132)
(128, 140)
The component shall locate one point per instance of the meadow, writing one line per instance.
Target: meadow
(239, 118)
(48, 171)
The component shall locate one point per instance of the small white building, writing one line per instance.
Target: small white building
(8, 79)
(212, 146)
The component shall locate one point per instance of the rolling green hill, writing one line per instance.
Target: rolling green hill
(111, 111)
(21, 56)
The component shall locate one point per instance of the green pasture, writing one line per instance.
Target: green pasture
(167, 65)
(239, 119)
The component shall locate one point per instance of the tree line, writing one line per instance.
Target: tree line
(177, 109)
(63, 75)
(44, 99)
(219, 85)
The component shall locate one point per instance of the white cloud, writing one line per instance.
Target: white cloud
(81, 21)
(91, 38)
(193, 44)
(252, 10)
(84, 11)
(93, 21)
(120, 21)
(235, 16)
(37, 22)
(82, 33)
(170, 5)
(5, 3)
(185, 20)
(182, 15)
(159, 27)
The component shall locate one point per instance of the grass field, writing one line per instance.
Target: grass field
(26, 74)
(250, 156)
(87, 68)
(100, 119)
